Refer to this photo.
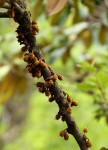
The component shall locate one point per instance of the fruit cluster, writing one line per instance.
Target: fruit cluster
(64, 134)
(88, 142)
(35, 29)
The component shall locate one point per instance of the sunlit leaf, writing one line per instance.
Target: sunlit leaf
(4, 70)
(76, 29)
(87, 86)
(102, 79)
(91, 79)
(88, 67)
(55, 6)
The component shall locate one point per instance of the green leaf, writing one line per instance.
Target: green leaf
(91, 79)
(87, 66)
(102, 79)
(76, 29)
(87, 86)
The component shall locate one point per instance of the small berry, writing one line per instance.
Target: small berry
(24, 49)
(89, 143)
(49, 83)
(41, 90)
(69, 110)
(51, 69)
(69, 99)
(51, 99)
(36, 63)
(29, 68)
(31, 55)
(55, 77)
(35, 28)
(66, 136)
(47, 93)
(34, 60)
(26, 58)
(39, 84)
(85, 130)
(57, 117)
(60, 77)
(38, 74)
(42, 64)
(74, 103)
(62, 133)
(34, 22)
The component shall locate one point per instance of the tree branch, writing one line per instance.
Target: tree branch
(38, 68)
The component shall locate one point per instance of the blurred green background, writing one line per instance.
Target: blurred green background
(74, 41)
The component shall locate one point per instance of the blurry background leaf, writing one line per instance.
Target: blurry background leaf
(103, 148)
(102, 78)
(87, 66)
(37, 9)
(55, 6)
(86, 36)
(103, 34)
(76, 17)
(87, 86)
(66, 55)
(12, 83)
